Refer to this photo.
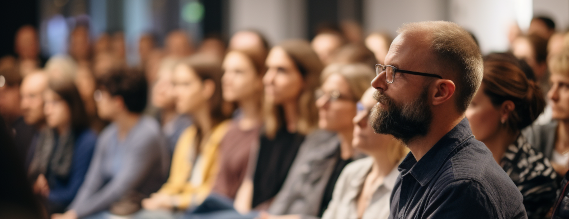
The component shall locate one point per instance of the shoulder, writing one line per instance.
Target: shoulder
(86, 136)
(356, 169)
(474, 163)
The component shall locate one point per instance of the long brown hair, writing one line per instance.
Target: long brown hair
(310, 67)
(209, 68)
(505, 81)
(68, 92)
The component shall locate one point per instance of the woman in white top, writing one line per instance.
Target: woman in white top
(364, 187)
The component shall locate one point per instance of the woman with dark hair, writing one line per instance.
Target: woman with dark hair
(197, 84)
(505, 103)
(130, 159)
(64, 150)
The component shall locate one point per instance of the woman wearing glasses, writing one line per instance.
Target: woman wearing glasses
(65, 149)
(364, 187)
(505, 103)
(322, 157)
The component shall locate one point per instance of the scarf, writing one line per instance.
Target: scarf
(48, 155)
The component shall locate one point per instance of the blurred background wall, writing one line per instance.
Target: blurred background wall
(489, 20)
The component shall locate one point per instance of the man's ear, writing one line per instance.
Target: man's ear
(444, 90)
(208, 89)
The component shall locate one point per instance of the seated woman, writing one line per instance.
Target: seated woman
(130, 160)
(163, 99)
(293, 70)
(197, 84)
(242, 84)
(64, 150)
(364, 187)
(552, 139)
(505, 103)
(322, 157)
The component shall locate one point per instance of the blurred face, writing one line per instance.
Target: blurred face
(283, 82)
(188, 90)
(522, 49)
(10, 101)
(483, 116)
(559, 96)
(540, 28)
(178, 45)
(324, 45)
(377, 44)
(336, 105)
(107, 105)
(79, 44)
(57, 112)
(240, 79)
(163, 91)
(32, 102)
(27, 44)
(244, 40)
(365, 139)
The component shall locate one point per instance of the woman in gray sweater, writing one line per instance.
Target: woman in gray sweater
(131, 158)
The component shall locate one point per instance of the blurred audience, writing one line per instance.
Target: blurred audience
(27, 48)
(130, 159)
(239, 129)
(378, 43)
(542, 26)
(80, 45)
(325, 44)
(10, 103)
(146, 44)
(178, 44)
(64, 149)
(249, 40)
(195, 162)
(163, 98)
(354, 53)
(533, 49)
(506, 103)
(32, 106)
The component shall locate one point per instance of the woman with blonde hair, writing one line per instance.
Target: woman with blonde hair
(364, 187)
(326, 152)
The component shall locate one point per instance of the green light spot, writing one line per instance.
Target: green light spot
(193, 12)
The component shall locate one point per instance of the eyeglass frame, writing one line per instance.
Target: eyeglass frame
(335, 95)
(395, 70)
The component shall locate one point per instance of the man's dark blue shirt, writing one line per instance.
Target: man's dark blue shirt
(457, 178)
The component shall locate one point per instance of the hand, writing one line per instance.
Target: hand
(41, 186)
(265, 215)
(71, 214)
(157, 201)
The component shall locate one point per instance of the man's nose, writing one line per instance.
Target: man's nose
(379, 82)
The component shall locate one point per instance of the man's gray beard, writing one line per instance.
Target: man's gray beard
(403, 122)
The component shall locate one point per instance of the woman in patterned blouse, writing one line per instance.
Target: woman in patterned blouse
(506, 103)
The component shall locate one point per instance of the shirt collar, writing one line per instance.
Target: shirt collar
(426, 168)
